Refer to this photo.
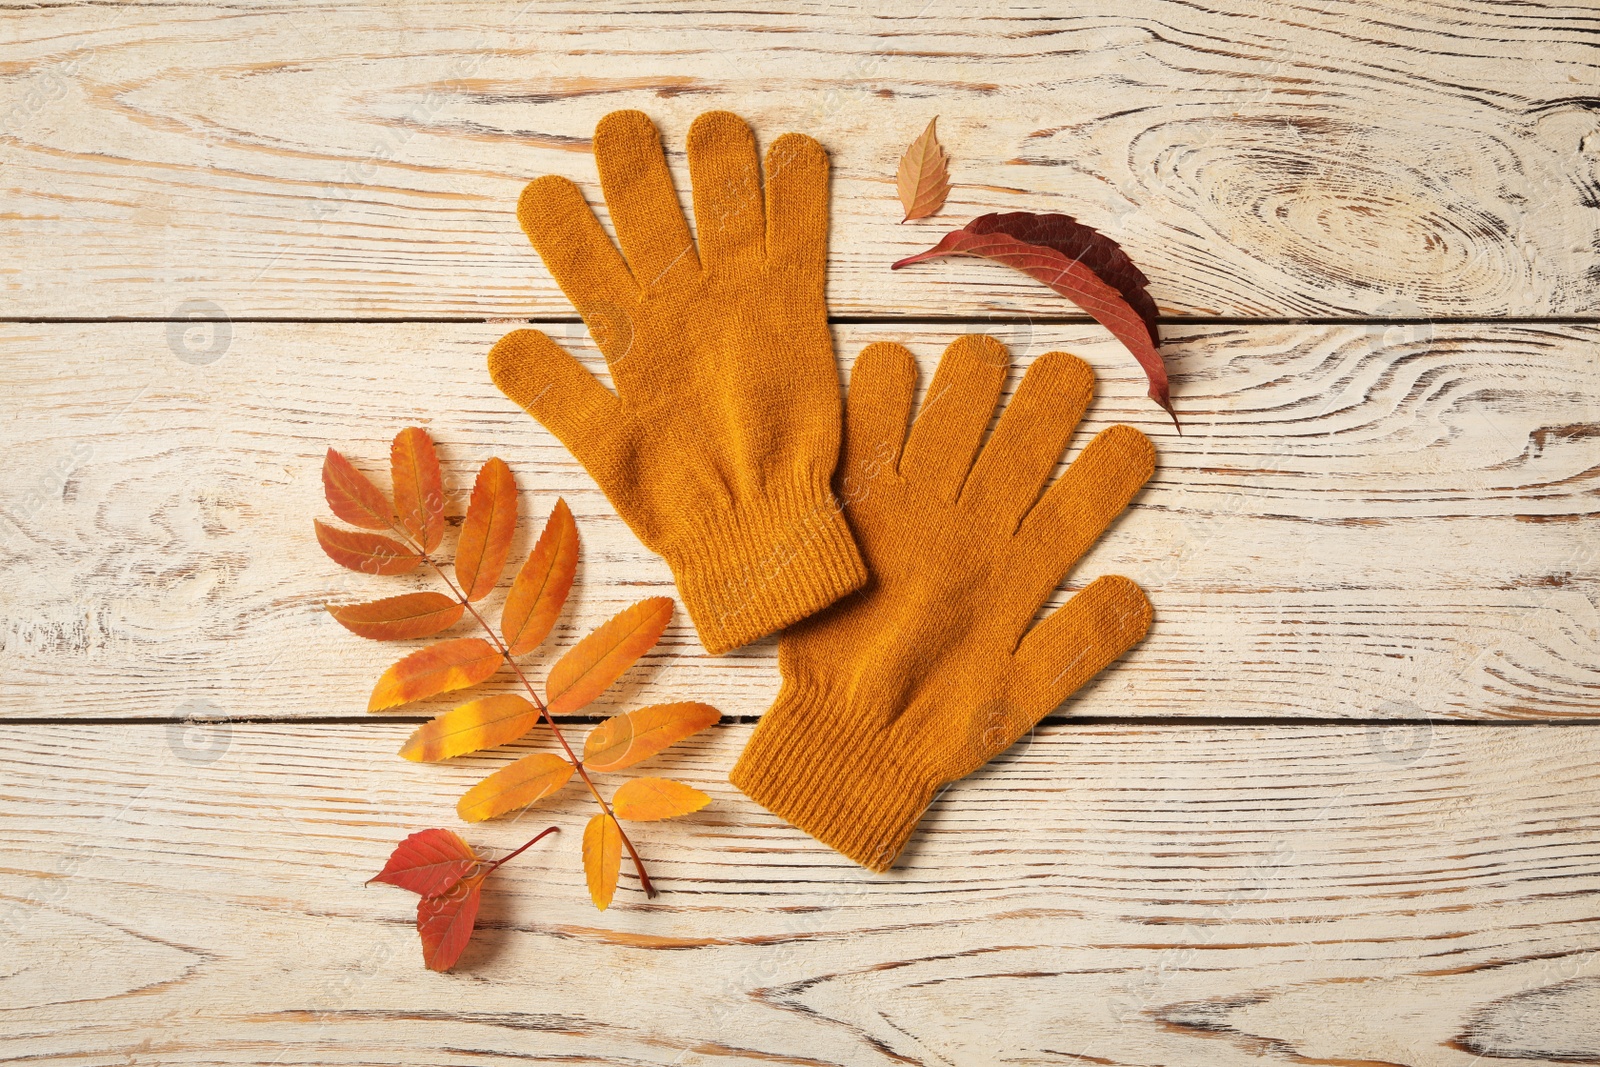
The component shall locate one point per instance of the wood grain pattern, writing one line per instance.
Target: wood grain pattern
(1196, 895)
(1343, 158)
(1359, 522)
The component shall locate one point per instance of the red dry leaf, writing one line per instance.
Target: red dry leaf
(486, 534)
(624, 740)
(599, 659)
(352, 496)
(602, 858)
(428, 862)
(541, 587)
(399, 618)
(445, 922)
(438, 669)
(368, 553)
(923, 181)
(1078, 262)
(418, 486)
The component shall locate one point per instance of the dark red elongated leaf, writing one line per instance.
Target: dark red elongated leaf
(399, 618)
(446, 921)
(428, 862)
(541, 587)
(368, 553)
(418, 486)
(352, 496)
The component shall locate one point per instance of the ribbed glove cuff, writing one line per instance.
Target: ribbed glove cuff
(811, 763)
(752, 571)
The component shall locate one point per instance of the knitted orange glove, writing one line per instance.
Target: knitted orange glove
(719, 445)
(932, 669)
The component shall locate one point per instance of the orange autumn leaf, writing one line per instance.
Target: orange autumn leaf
(368, 553)
(649, 799)
(602, 858)
(541, 587)
(924, 178)
(446, 921)
(438, 669)
(478, 724)
(486, 534)
(599, 659)
(352, 496)
(418, 486)
(429, 862)
(399, 618)
(624, 740)
(529, 779)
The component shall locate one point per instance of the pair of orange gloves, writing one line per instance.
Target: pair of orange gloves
(909, 654)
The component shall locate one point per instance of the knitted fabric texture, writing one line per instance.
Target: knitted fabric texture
(935, 666)
(719, 444)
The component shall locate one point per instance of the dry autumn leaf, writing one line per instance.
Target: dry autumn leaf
(602, 858)
(486, 534)
(1080, 264)
(429, 862)
(478, 724)
(368, 553)
(418, 486)
(541, 587)
(399, 618)
(446, 921)
(649, 799)
(624, 740)
(438, 669)
(924, 178)
(352, 496)
(530, 779)
(591, 665)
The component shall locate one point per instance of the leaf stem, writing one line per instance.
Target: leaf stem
(540, 836)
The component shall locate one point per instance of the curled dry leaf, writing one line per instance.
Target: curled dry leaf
(624, 740)
(541, 587)
(599, 659)
(445, 922)
(399, 618)
(418, 486)
(486, 534)
(602, 858)
(478, 724)
(368, 553)
(438, 669)
(429, 862)
(649, 799)
(924, 178)
(352, 496)
(530, 779)
(1077, 262)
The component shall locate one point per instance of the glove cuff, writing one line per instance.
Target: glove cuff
(813, 763)
(770, 561)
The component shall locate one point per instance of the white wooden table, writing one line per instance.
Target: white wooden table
(1340, 807)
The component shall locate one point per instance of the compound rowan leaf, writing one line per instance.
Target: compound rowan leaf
(1077, 262)
(486, 534)
(368, 553)
(438, 669)
(924, 178)
(624, 740)
(602, 858)
(418, 486)
(541, 587)
(478, 724)
(399, 618)
(649, 799)
(529, 779)
(428, 862)
(352, 496)
(445, 922)
(599, 659)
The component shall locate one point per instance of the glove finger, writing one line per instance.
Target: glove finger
(1074, 643)
(572, 244)
(797, 203)
(638, 189)
(954, 414)
(1033, 431)
(882, 384)
(729, 219)
(553, 387)
(1075, 511)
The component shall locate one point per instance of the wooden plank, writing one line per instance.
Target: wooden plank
(1358, 522)
(1217, 895)
(1344, 158)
